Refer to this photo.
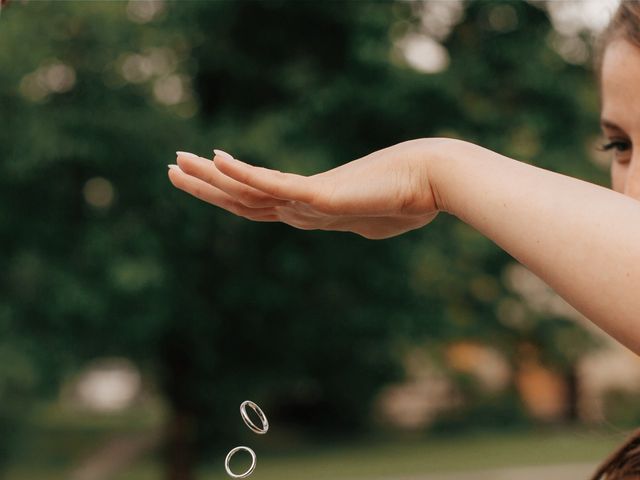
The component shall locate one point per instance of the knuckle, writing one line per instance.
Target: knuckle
(186, 167)
(236, 209)
(209, 177)
(198, 192)
(247, 197)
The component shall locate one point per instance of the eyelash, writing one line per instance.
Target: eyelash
(619, 145)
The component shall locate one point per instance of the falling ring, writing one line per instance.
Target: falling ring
(249, 422)
(251, 468)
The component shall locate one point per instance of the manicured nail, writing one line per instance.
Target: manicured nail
(223, 154)
(174, 167)
(188, 155)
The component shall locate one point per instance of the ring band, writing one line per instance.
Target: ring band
(252, 467)
(259, 412)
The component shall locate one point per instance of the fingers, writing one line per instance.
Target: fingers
(210, 194)
(286, 186)
(206, 170)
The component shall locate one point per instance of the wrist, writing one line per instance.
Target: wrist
(443, 159)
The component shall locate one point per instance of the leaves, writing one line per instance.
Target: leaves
(220, 309)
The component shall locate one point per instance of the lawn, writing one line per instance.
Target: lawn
(53, 449)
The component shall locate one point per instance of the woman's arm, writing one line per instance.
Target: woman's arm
(582, 239)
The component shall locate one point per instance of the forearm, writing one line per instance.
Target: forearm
(582, 239)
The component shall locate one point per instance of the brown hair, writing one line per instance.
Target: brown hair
(624, 463)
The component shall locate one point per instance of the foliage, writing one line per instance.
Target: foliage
(621, 408)
(102, 257)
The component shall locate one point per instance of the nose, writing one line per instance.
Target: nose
(632, 181)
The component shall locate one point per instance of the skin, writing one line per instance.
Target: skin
(582, 239)
(620, 119)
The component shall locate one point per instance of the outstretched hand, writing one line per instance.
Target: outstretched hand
(383, 194)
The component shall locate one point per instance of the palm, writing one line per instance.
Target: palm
(378, 196)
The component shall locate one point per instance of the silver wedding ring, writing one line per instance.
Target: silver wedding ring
(255, 428)
(249, 470)
(249, 422)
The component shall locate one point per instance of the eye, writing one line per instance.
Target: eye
(621, 147)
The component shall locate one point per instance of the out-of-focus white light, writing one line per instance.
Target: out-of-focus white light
(570, 17)
(424, 53)
(572, 49)
(109, 385)
(59, 78)
(141, 67)
(439, 17)
(143, 11)
(54, 77)
(136, 68)
(169, 90)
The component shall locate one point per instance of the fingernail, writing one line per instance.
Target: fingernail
(188, 155)
(223, 154)
(174, 167)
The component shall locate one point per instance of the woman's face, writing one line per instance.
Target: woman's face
(621, 114)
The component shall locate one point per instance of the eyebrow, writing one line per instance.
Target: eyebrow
(610, 125)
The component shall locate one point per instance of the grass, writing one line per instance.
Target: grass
(375, 459)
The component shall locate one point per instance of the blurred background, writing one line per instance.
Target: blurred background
(134, 319)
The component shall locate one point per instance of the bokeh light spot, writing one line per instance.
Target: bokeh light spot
(98, 192)
(143, 11)
(169, 90)
(425, 54)
(51, 78)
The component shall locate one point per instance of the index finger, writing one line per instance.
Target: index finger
(286, 186)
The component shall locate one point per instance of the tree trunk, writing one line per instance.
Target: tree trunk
(572, 414)
(179, 447)
(177, 374)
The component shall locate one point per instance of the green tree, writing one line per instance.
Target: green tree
(101, 256)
